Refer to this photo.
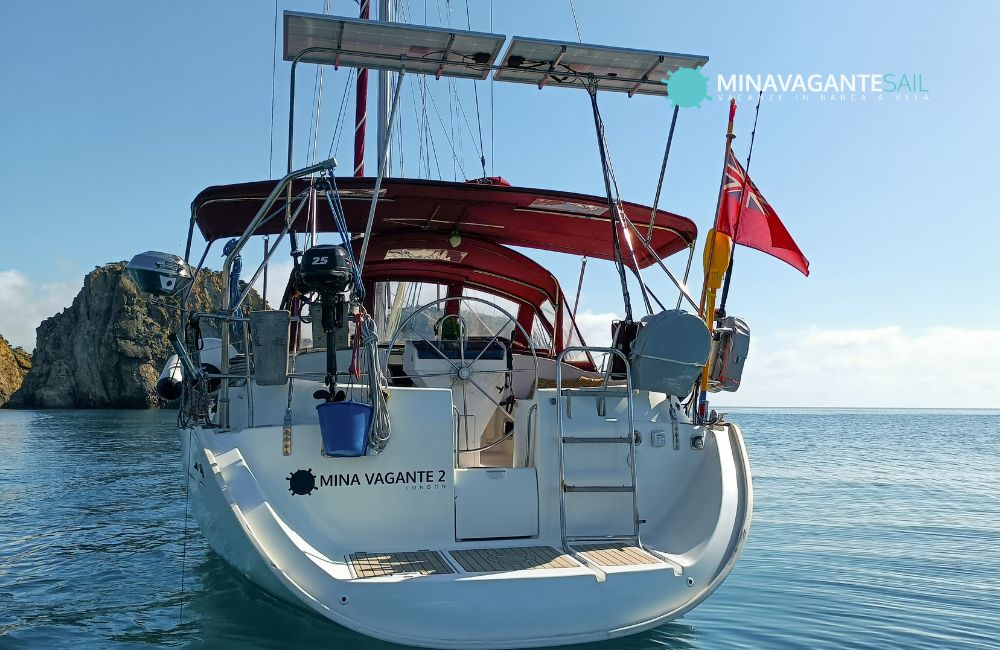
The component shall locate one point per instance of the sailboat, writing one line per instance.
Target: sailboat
(418, 444)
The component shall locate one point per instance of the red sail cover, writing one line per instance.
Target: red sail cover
(757, 226)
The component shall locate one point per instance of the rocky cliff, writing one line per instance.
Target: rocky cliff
(107, 349)
(14, 365)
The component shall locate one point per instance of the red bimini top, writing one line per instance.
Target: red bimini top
(566, 222)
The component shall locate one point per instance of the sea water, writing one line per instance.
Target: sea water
(871, 529)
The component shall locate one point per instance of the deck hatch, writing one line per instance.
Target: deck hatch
(516, 558)
(378, 565)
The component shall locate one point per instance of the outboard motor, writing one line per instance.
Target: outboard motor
(730, 349)
(326, 269)
(159, 274)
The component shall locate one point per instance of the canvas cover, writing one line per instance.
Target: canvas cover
(731, 351)
(669, 352)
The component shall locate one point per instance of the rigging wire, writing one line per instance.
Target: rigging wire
(475, 90)
(444, 128)
(274, 70)
(492, 130)
(317, 103)
(341, 114)
(621, 212)
(579, 36)
(465, 116)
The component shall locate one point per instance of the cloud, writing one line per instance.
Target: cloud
(879, 367)
(893, 366)
(595, 327)
(277, 278)
(24, 304)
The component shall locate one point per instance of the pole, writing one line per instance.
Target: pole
(384, 91)
(687, 272)
(361, 107)
(739, 215)
(707, 292)
(612, 204)
(663, 171)
(383, 166)
(579, 285)
(267, 240)
(718, 205)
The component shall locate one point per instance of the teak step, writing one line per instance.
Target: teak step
(615, 554)
(378, 565)
(516, 558)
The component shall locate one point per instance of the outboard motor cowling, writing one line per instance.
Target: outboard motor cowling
(669, 352)
(327, 270)
(159, 274)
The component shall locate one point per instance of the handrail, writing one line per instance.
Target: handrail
(560, 415)
(527, 441)
(262, 214)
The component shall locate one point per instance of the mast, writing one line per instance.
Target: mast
(384, 93)
(361, 107)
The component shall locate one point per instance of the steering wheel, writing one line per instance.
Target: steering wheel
(463, 371)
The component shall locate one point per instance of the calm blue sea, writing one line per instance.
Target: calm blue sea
(872, 529)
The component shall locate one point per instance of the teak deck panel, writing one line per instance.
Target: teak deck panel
(378, 565)
(609, 555)
(517, 558)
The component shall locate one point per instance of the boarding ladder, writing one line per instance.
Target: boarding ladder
(601, 394)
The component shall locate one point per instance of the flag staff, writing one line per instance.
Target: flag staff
(710, 242)
(715, 261)
(743, 201)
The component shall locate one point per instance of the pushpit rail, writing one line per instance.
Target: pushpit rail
(229, 309)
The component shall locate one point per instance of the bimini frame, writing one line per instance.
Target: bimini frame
(568, 64)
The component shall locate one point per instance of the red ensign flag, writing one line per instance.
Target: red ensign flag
(757, 226)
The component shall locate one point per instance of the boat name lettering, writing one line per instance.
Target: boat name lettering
(411, 477)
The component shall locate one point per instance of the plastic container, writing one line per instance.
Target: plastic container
(344, 428)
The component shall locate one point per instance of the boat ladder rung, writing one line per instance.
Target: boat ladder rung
(629, 439)
(598, 488)
(609, 392)
(621, 440)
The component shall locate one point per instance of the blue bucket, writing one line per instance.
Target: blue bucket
(344, 428)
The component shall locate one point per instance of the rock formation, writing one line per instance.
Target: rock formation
(14, 365)
(107, 349)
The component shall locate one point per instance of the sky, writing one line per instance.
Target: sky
(116, 114)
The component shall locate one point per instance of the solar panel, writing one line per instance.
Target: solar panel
(389, 46)
(555, 63)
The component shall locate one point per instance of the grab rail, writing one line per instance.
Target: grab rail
(227, 308)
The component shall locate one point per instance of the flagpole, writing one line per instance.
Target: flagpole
(712, 280)
(710, 243)
(739, 215)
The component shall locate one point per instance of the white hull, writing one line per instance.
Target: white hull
(695, 506)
